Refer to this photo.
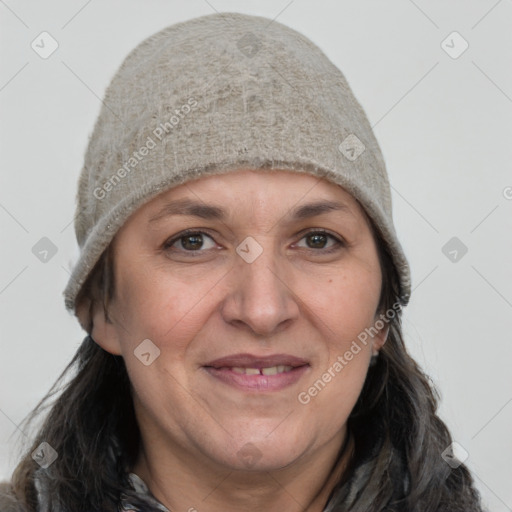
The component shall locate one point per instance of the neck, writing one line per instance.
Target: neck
(181, 482)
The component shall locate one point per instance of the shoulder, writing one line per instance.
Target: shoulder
(8, 501)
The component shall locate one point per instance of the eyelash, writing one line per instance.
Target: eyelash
(188, 232)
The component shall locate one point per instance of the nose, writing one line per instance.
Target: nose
(260, 294)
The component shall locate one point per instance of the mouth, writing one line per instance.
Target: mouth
(252, 373)
(271, 370)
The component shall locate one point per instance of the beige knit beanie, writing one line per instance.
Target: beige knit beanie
(212, 95)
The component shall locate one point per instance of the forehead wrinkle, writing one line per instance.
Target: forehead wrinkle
(192, 208)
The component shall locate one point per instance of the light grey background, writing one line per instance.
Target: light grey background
(444, 125)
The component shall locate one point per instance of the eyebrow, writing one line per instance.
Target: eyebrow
(189, 207)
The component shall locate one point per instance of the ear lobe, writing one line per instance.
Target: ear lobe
(83, 313)
(103, 331)
(380, 338)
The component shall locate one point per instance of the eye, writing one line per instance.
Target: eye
(192, 241)
(189, 240)
(319, 238)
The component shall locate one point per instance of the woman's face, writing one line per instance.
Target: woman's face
(228, 332)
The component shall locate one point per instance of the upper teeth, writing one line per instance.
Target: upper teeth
(273, 370)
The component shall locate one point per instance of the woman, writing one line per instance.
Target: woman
(241, 284)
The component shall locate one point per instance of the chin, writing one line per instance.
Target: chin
(250, 458)
(265, 454)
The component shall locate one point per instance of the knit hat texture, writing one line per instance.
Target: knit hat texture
(212, 95)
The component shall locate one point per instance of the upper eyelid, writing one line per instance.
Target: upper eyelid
(203, 231)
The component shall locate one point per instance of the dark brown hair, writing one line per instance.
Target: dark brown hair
(399, 439)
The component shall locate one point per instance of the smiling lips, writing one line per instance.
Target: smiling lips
(272, 370)
(252, 373)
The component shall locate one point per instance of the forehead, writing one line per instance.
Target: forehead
(266, 199)
(260, 191)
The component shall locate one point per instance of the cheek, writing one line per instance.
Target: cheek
(168, 308)
(335, 388)
(153, 310)
(346, 307)
(348, 301)
(151, 302)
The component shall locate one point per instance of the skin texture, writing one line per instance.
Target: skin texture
(292, 299)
